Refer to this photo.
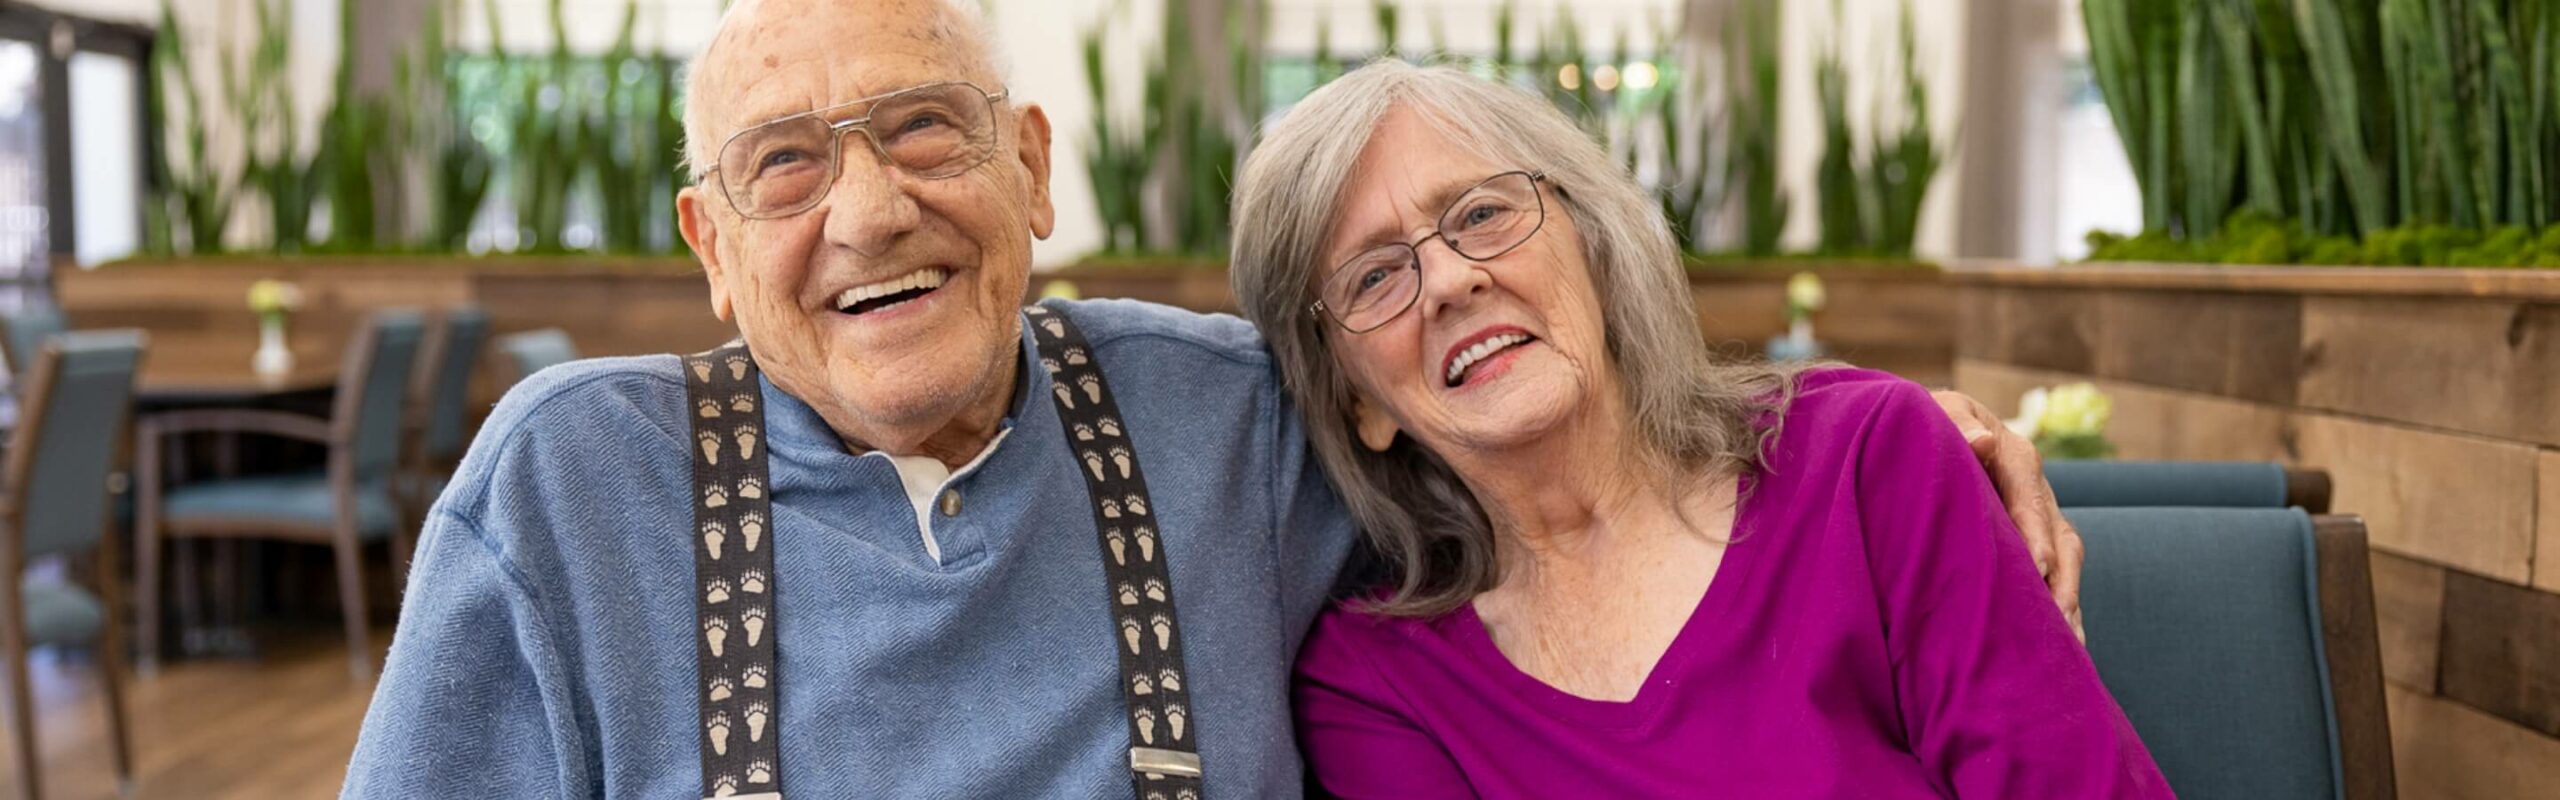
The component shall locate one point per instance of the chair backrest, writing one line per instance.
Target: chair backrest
(27, 328)
(77, 401)
(373, 390)
(2248, 669)
(532, 351)
(455, 353)
(2190, 484)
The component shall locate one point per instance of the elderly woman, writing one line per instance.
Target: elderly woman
(1621, 567)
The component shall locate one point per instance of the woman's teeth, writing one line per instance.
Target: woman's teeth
(892, 292)
(1485, 349)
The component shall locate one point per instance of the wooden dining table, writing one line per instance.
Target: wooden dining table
(215, 374)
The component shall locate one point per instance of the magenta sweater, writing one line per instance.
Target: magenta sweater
(1876, 630)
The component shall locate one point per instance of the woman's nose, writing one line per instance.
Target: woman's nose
(1449, 280)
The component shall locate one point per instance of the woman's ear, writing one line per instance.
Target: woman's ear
(1375, 429)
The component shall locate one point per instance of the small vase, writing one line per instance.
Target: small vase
(273, 359)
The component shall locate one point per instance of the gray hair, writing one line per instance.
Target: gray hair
(963, 30)
(1694, 416)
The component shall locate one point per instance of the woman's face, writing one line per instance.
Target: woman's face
(1493, 354)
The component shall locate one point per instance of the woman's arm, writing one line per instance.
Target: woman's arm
(1998, 697)
(1358, 739)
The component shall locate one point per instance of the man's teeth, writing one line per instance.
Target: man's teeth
(1458, 367)
(930, 278)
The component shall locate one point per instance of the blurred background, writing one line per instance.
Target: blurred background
(2249, 255)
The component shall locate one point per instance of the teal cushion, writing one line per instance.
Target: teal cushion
(2145, 484)
(302, 498)
(60, 614)
(2205, 625)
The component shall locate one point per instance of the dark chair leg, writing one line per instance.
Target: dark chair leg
(22, 712)
(111, 664)
(351, 603)
(148, 540)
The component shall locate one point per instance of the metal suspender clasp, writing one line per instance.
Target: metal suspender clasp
(1157, 762)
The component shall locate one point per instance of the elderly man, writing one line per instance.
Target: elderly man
(917, 504)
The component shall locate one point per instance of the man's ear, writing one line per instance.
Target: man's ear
(702, 233)
(1374, 427)
(1034, 147)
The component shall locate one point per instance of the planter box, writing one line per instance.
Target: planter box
(2432, 398)
(1896, 318)
(609, 306)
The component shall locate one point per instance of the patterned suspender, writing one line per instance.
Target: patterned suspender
(733, 562)
(1164, 759)
(733, 567)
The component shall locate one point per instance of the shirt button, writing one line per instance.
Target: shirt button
(951, 502)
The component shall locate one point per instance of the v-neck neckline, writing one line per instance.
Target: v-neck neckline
(1468, 631)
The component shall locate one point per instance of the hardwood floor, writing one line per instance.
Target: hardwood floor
(278, 727)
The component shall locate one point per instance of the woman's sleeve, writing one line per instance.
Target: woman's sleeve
(471, 703)
(1998, 698)
(1359, 740)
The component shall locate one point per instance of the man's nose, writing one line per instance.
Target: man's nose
(869, 206)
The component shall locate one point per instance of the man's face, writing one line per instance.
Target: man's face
(890, 305)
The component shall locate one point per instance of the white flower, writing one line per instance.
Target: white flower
(2030, 412)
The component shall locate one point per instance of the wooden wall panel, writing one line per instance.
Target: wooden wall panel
(2489, 367)
(2244, 346)
(2447, 751)
(2502, 650)
(2461, 501)
(2408, 599)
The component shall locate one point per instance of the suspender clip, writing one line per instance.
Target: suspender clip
(1157, 762)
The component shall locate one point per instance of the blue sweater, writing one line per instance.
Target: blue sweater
(546, 647)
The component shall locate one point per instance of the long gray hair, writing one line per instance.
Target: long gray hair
(1695, 417)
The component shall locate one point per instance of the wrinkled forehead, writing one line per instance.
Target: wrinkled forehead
(785, 57)
(1414, 164)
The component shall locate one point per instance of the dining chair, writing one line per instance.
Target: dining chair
(531, 351)
(446, 363)
(2242, 644)
(26, 330)
(2188, 484)
(346, 505)
(54, 498)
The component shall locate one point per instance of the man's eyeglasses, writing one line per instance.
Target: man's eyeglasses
(1489, 220)
(786, 166)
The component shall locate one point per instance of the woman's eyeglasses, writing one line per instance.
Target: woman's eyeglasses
(1490, 219)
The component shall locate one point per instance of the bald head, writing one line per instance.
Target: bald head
(755, 67)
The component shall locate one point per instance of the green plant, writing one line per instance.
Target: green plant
(2361, 118)
(197, 194)
(1751, 93)
(1903, 163)
(1837, 184)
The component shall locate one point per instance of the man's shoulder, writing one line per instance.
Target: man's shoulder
(1112, 324)
(639, 387)
(581, 410)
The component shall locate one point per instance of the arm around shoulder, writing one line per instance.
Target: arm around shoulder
(1998, 696)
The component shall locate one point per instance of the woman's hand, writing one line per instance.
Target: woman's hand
(2018, 472)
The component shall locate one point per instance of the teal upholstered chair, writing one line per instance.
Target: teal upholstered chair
(2241, 644)
(22, 335)
(446, 364)
(531, 351)
(2192, 484)
(75, 402)
(345, 506)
